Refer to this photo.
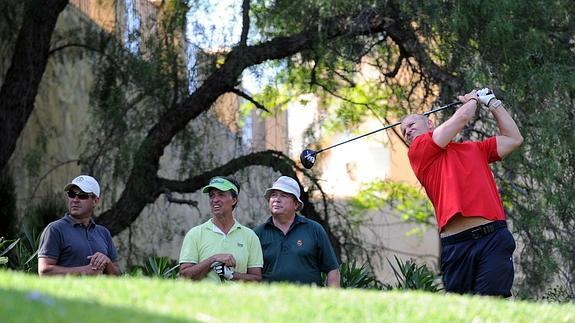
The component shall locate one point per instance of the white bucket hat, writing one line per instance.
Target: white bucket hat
(288, 185)
(87, 184)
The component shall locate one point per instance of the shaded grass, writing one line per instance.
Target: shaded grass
(27, 298)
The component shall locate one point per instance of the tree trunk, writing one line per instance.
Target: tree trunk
(20, 85)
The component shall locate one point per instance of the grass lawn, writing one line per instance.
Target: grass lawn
(28, 298)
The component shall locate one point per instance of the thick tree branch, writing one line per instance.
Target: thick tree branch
(271, 158)
(29, 60)
(116, 221)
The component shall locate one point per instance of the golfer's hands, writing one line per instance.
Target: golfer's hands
(488, 99)
(225, 258)
(99, 261)
(469, 96)
(223, 271)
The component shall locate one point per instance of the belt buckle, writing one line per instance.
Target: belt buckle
(477, 233)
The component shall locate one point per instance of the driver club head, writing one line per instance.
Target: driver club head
(307, 158)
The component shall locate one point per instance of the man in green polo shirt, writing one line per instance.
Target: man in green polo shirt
(221, 249)
(296, 249)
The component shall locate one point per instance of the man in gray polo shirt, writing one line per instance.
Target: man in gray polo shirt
(296, 249)
(75, 244)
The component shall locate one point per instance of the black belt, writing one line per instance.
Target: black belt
(475, 232)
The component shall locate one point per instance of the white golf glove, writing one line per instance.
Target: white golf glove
(222, 270)
(488, 99)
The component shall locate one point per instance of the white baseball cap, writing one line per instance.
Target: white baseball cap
(288, 185)
(87, 184)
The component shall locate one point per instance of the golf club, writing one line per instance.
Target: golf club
(308, 156)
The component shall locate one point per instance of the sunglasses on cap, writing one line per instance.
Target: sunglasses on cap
(80, 195)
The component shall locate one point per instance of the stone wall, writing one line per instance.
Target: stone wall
(47, 151)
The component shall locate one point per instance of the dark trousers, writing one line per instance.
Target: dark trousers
(479, 260)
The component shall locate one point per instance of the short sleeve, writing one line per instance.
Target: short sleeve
(112, 254)
(189, 252)
(50, 241)
(256, 258)
(327, 258)
(489, 148)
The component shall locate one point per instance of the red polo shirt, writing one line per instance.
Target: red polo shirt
(457, 178)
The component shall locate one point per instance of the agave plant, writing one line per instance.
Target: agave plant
(20, 254)
(161, 267)
(410, 275)
(354, 276)
(5, 249)
(24, 257)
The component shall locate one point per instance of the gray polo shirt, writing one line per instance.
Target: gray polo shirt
(71, 243)
(300, 256)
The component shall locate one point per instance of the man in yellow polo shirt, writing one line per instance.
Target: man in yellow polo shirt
(221, 249)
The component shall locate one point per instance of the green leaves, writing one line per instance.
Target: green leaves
(411, 276)
(403, 199)
(21, 252)
(354, 276)
(158, 267)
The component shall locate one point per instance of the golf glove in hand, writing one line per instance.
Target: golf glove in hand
(223, 271)
(488, 99)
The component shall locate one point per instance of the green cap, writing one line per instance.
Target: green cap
(221, 184)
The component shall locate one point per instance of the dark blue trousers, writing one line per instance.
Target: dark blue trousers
(479, 260)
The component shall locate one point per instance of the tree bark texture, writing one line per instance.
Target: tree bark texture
(29, 60)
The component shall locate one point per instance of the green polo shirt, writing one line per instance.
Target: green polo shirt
(300, 256)
(206, 240)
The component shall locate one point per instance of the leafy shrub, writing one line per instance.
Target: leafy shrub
(409, 275)
(354, 276)
(5, 247)
(159, 267)
(24, 257)
(20, 253)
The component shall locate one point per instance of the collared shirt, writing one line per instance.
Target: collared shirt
(70, 243)
(300, 256)
(457, 178)
(206, 240)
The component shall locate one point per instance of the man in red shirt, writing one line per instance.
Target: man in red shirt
(477, 247)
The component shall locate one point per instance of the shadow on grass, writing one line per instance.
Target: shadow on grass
(32, 306)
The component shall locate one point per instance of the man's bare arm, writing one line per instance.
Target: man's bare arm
(443, 134)
(509, 137)
(47, 266)
(333, 278)
(253, 274)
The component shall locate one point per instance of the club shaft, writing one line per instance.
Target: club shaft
(387, 127)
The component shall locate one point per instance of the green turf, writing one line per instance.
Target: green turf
(27, 298)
